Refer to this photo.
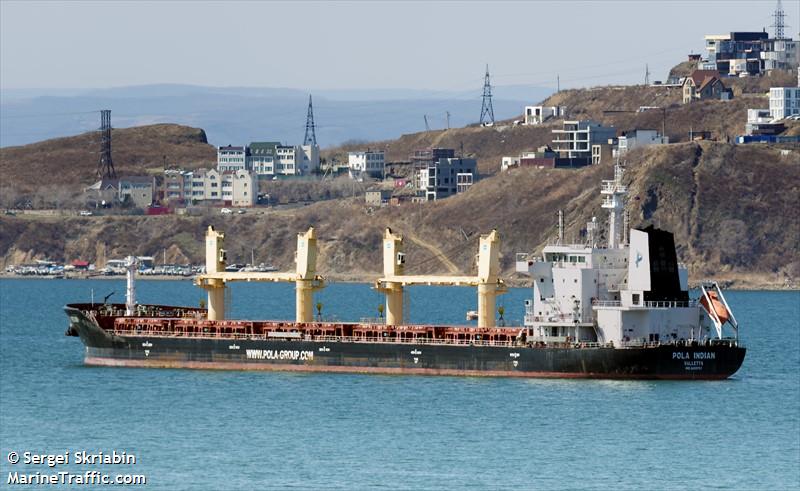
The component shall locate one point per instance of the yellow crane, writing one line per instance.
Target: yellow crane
(487, 281)
(305, 278)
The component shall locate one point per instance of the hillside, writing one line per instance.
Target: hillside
(732, 208)
(74, 159)
(725, 119)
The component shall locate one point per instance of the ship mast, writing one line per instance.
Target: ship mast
(614, 192)
(130, 290)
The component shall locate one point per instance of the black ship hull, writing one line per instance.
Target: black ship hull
(702, 362)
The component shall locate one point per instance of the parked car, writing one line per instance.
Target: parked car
(86, 213)
(226, 211)
(240, 211)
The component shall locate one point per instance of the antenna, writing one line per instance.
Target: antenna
(447, 113)
(647, 74)
(779, 26)
(311, 137)
(105, 168)
(487, 112)
(427, 126)
(558, 83)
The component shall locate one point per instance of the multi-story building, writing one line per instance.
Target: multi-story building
(749, 53)
(231, 158)
(575, 141)
(231, 188)
(176, 186)
(735, 53)
(261, 158)
(784, 102)
(268, 159)
(781, 54)
(540, 114)
(369, 163)
(446, 176)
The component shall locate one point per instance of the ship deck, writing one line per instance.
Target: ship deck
(187, 322)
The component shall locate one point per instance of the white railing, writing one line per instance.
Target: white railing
(655, 304)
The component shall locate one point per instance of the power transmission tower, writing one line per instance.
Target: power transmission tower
(427, 126)
(647, 74)
(779, 26)
(311, 136)
(105, 168)
(487, 112)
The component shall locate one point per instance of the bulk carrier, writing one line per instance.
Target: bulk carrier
(617, 311)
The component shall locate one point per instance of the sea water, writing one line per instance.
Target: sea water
(197, 429)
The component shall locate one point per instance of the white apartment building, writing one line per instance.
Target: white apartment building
(232, 188)
(368, 163)
(784, 102)
(231, 158)
(286, 160)
(268, 159)
(540, 114)
(446, 177)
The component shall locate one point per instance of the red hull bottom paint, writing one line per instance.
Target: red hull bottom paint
(275, 367)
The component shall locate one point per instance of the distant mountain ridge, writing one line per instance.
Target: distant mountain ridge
(243, 114)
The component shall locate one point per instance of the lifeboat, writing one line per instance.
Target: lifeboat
(717, 305)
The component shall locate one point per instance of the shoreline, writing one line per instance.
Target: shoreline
(727, 284)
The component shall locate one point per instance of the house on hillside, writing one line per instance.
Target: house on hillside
(101, 193)
(540, 114)
(638, 138)
(138, 191)
(369, 163)
(760, 122)
(704, 84)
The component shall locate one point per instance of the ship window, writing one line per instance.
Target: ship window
(635, 299)
(541, 280)
(581, 259)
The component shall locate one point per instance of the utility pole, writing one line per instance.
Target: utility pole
(487, 112)
(779, 25)
(447, 113)
(558, 83)
(311, 136)
(105, 168)
(647, 74)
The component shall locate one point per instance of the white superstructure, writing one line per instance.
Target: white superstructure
(631, 292)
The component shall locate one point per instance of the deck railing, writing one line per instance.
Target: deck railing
(533, 342)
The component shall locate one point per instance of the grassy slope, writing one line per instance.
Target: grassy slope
(73, 160)
(730, 208)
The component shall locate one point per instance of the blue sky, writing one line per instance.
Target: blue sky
(355, 45)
